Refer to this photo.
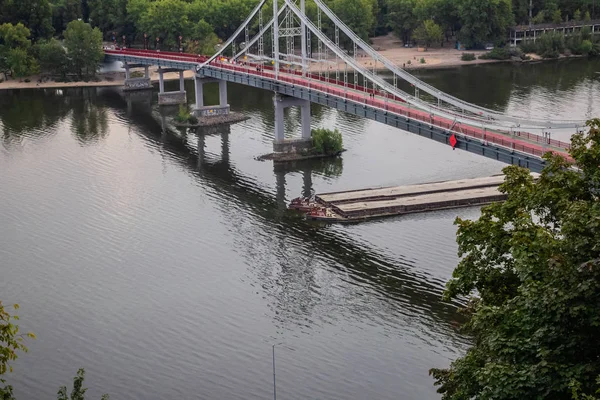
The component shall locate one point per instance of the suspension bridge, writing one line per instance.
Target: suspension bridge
(326, 72)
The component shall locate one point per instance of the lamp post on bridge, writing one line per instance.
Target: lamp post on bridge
(145, 41)
(114, 38)
(123, 41)
(157, 43)
(180, 44)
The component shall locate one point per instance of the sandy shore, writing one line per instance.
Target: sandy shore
(104, 79)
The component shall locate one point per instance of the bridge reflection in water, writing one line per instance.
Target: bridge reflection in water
(365, 264)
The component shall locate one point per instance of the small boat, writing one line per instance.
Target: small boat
(303, 204)
(323, 214)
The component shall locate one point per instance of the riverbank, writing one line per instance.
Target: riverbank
(388, 46)
(102, 80)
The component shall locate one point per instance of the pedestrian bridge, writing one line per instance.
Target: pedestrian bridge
(333, 77)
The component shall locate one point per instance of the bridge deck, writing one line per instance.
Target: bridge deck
(513, 147)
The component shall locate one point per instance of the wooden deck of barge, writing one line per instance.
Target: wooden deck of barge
(357, 205)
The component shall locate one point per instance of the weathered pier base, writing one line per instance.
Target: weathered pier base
(202, 110)
(218, 114)
(170, 98)
(281, 144)
(132, 84)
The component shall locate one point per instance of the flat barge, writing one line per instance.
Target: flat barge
(359, 205)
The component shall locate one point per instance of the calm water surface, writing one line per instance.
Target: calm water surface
(167, 266)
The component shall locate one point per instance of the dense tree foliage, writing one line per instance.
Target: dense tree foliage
(429, 32)
(53, 58)
(484, 21)
(201, 24)
(532, 267)
(15, 50)
(36, 15)
(84, 48)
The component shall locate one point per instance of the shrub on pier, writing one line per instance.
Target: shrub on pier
(184, 116)
(467, 57)
(327, 141)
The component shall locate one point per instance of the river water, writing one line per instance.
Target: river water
(168, 268)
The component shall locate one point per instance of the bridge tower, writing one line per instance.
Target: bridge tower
(290, 30)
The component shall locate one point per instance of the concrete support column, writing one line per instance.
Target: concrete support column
(127, 75)
(199, 86)
(279, 119)
(181, 82)
(223, 93)
(147, 72)
(161, 81)
(305, 118)
(280, 144)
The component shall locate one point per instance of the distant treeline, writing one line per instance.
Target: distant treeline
(202, 23)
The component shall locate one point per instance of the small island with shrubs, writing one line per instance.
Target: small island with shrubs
(324, 143)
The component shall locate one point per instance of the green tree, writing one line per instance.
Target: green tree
(21, 63)
(401, 17)
(34, 14)
(84, 48)
(203, 40)
(108, 15)
(532, 268)
(14, 50)
(11, 342)
(577, 15)
(429, 32)
(576, 391)
(53, 58)
(587, 17)
(484, 21)
(166, 19)
(550, 44)
(540, 17)
(557, 17)
(78, 392)
(357, 14)
(65, 11)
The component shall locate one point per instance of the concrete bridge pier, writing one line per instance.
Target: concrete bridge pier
(170, 98)
(281, 144)
(202, 110)
(132, 84)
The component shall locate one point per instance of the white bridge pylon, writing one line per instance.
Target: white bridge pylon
(283, 27)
